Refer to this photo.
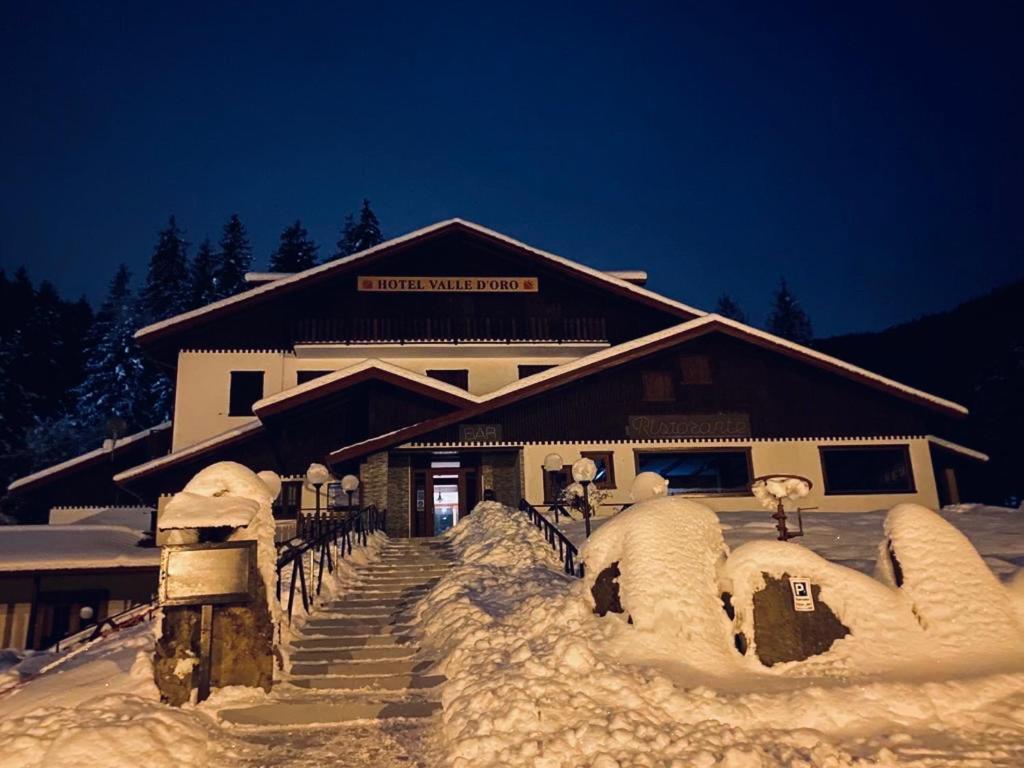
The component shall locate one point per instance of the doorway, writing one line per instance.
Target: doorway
(442, 494)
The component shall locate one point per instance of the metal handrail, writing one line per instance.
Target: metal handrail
(567, 551)
(126, 618)
(322, 536)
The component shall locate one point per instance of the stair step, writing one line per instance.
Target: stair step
(287, 713)
(351, 642)
(380, 653)
(342, 628)
(361, 668)
(370, 684)
(369, 602)
(336, 619)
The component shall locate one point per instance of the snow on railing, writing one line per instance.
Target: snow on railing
(322, 536)
(567, 551)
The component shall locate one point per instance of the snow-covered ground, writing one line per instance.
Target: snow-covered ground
(537, 679)
(851, 538)
(98, 706)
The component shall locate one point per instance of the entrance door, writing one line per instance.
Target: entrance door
(440, 497)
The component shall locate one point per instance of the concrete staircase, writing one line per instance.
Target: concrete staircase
(358, 658)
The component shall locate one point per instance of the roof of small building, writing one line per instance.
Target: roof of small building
(72, 547)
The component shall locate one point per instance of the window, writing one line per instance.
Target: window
(555, 483)
(695, 369)
(303, 376)
(529, 370)
(605, 477)
(700, 471)
(867, 469)
(246, 389)
(658, 386)
(455, 377)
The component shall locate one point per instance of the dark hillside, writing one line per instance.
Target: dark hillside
(972, 354)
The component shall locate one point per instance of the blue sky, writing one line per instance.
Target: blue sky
(869, 154)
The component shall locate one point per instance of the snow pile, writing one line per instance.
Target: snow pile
(773, 489)
(536, 679)
(648, 485)
(190, 510)
(100, 708)
(668, 551)
(883, 631)
(952, 592)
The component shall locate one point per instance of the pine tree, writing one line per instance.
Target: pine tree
(358, 236)
(116, 381)
(202, 270)
(727, 307)
(235, 259)
(18, 404)
(788, 319)
(167, 282)
(296, 251)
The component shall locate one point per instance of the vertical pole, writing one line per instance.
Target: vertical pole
(586, 506)
(205, 651)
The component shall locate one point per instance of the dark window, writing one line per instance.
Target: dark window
(555, 483)
(303, 376)
(695, 369)
(456, 377)
(700, 471)
(605, 477)
(529, 370)
(658, 386)
(867, 469)
(288, 503)
(246, 389)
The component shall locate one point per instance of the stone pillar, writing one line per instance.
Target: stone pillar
(399, 491)
(373, 479)
(501, 472)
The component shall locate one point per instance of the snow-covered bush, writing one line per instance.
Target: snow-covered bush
(648, 485)
(952, 592)
(571, 497)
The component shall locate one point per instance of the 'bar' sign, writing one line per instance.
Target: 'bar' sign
(401, 284)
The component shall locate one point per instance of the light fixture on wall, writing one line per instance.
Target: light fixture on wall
(439, 498)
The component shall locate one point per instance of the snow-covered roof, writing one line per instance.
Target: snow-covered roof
(265, 277)
(475, 404)
(949, 445)
(72, 547)
(223, 437)
(372, 365)
(104, 450)
(345, 261)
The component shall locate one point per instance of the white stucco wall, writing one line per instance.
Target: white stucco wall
(204, 377)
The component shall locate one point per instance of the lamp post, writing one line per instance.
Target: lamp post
(772, 490)
(349, 484)
(583, 472)
(553, 462)
(316, 476)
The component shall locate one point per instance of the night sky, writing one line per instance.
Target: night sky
(872, 155)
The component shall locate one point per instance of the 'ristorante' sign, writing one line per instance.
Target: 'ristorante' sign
(397, 284)
(690, 425)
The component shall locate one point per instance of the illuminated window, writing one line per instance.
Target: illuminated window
(605, 477)
(700, 472)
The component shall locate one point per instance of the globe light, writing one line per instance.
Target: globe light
(553, 462)
(349, 483)
(317, 474)
(584, 470)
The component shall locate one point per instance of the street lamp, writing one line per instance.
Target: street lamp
(316, 476)
(773, 490)
(553, 462)
(349, 484)
(583, 472)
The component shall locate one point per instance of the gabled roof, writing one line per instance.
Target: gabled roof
(103, 452)
(364, 371)
(963, 450)
(291, 282)
(641, 347)
(469, 405)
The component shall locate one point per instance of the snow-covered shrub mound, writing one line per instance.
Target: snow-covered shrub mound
(882, 628)
(498, 535)
(953, 593)
(668, 551)
(648, 485)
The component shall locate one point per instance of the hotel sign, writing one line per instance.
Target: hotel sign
(403, 284)
(690, 425)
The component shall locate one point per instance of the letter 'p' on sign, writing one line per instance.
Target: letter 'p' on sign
(803, 600)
